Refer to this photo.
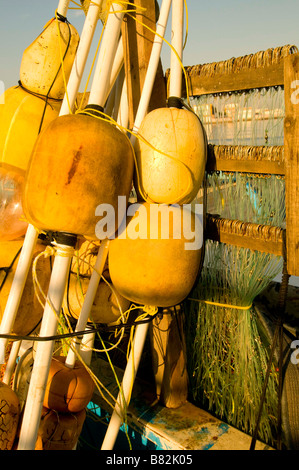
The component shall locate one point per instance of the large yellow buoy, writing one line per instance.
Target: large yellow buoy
(108, 304)
(9, 416)
(22, 116)
(155, 259)
(79, 162)
(171, 156)
(41, 67)
(30, 311)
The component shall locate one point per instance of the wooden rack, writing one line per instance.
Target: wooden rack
(246, 73)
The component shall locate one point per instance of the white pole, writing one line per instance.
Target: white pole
(88, 300)
(175, 82)
(101, 80)
(11, 363)
(127, 382)
(117, 66)
(44, 349)
(63, 7)
(81, 55)
(17, 287)
(152, 67)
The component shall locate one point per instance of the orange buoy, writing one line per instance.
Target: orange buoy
(155, 259)
(79, 162)
(68, 390)
(171, 156)
(9, 416)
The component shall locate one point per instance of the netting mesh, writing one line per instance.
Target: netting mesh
(227, 356)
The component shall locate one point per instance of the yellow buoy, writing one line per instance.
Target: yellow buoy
(171, 156)
(9, 416)
(79, 162)
(155, 259)
(108, 304)
(30, 311)
(41, 67)
(21, 118)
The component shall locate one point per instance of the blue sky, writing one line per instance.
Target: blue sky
(218, 29)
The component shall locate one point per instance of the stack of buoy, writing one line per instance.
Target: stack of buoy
(26, 111)
(171, 156)
(156, 266)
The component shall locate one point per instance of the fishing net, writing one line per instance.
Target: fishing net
(227, 352)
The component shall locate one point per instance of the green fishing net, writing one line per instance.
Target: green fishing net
(227, 353)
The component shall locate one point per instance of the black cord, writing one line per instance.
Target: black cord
(82, 333)
(8, 269)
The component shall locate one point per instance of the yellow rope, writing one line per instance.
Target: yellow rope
(218, 304)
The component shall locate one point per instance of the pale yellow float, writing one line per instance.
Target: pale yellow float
(41, 67)
(171, 156)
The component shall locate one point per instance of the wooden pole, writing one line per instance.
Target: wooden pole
(137, 43)
(291, 153)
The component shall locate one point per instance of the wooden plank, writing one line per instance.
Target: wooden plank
(137, 42)
(291, 144)
(225, 158)
(262, 238)
(169, 357)
(244, 79)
